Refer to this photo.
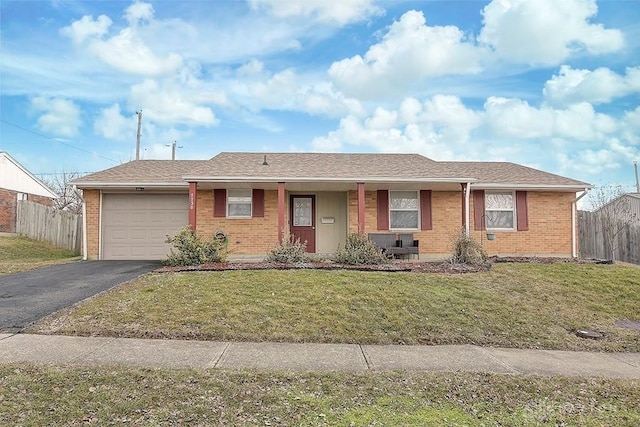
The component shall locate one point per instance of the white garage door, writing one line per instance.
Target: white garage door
(135, 226)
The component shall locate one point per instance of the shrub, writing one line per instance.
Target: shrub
(192, 250)
(289, 251)
(360, 250)
(466, 250)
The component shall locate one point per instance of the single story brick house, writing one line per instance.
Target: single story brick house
(255, 198)
(17, 184)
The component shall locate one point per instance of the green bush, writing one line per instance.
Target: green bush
(190, 249)
(467, 250)
(360, 250)
(289, 251)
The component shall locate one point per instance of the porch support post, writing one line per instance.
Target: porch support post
(361, 208)
(281, 209)
(464, 204)
(193, 201)
(467, 193)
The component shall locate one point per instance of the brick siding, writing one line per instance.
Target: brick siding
(8, 208)
(92, 202)
(245, 235)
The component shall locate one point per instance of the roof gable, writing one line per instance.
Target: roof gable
(15, 177)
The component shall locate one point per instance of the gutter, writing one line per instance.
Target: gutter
(574, 239)
(272, 179)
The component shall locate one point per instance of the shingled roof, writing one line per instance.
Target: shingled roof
(322, 166)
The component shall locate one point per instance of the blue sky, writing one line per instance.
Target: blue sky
(550, 84)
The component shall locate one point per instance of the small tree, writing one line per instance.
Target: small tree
(69, 199)
(615, 213)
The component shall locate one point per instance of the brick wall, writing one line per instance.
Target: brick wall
(92, 201)
(7, 211)
(549, 228)
(246, 236)
(549, 225)
(8, 208)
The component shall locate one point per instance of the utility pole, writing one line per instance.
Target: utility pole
(139, 113)
(173, 149)
(635, 167)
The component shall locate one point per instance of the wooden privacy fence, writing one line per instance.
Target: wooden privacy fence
(43, 223)
(595, 242)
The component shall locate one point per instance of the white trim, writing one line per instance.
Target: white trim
(417, 192)
(467, 226)
(228, 190)
(85, 238)
(531, 187)
(293, 179)
(45, 188)
(132, 185)
(513, 210)
(100, 228)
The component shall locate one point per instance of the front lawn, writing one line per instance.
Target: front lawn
(512, 305)
(21, 254)
(38, 396)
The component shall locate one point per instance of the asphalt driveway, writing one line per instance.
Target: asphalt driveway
(31, 295)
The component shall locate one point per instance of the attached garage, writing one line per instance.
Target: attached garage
(135, 226)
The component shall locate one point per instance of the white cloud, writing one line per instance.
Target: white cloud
(408, 52)
(287, 91)
(111, 124)
(545, 32)
(86, 27)
(126, 51)
(438, 128)
(170, 104)
(58, 116)
(599, 86)
(516, 119)
(341, 12)
(139, 12)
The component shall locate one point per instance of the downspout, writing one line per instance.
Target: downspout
(574, 240)
(466, 203)
(85, 239)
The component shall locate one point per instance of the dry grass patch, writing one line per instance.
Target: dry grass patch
(35, 396)
(513, 305)
(21, 254)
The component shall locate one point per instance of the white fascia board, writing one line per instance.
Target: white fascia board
(221, 179)
(533, 187)
(132, 185)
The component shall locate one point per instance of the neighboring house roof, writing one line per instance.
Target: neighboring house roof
(15, 177)
(623, 205)
(325, 167)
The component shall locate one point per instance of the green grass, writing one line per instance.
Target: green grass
(513, 305)
(20, 254)
(36, 396)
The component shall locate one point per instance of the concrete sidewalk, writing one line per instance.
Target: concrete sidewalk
(83, 351)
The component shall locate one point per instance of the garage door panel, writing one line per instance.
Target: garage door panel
(135, 226)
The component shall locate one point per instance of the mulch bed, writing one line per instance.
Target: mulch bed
(414, 267)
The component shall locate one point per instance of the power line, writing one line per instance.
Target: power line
(58, 141)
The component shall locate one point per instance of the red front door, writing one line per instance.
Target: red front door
(303, 220)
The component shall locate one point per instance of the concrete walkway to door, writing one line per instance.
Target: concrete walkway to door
(96, 351)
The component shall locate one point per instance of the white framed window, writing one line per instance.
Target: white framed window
(239, 203)
(500, 210)
(21, 196)
(403, 210)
